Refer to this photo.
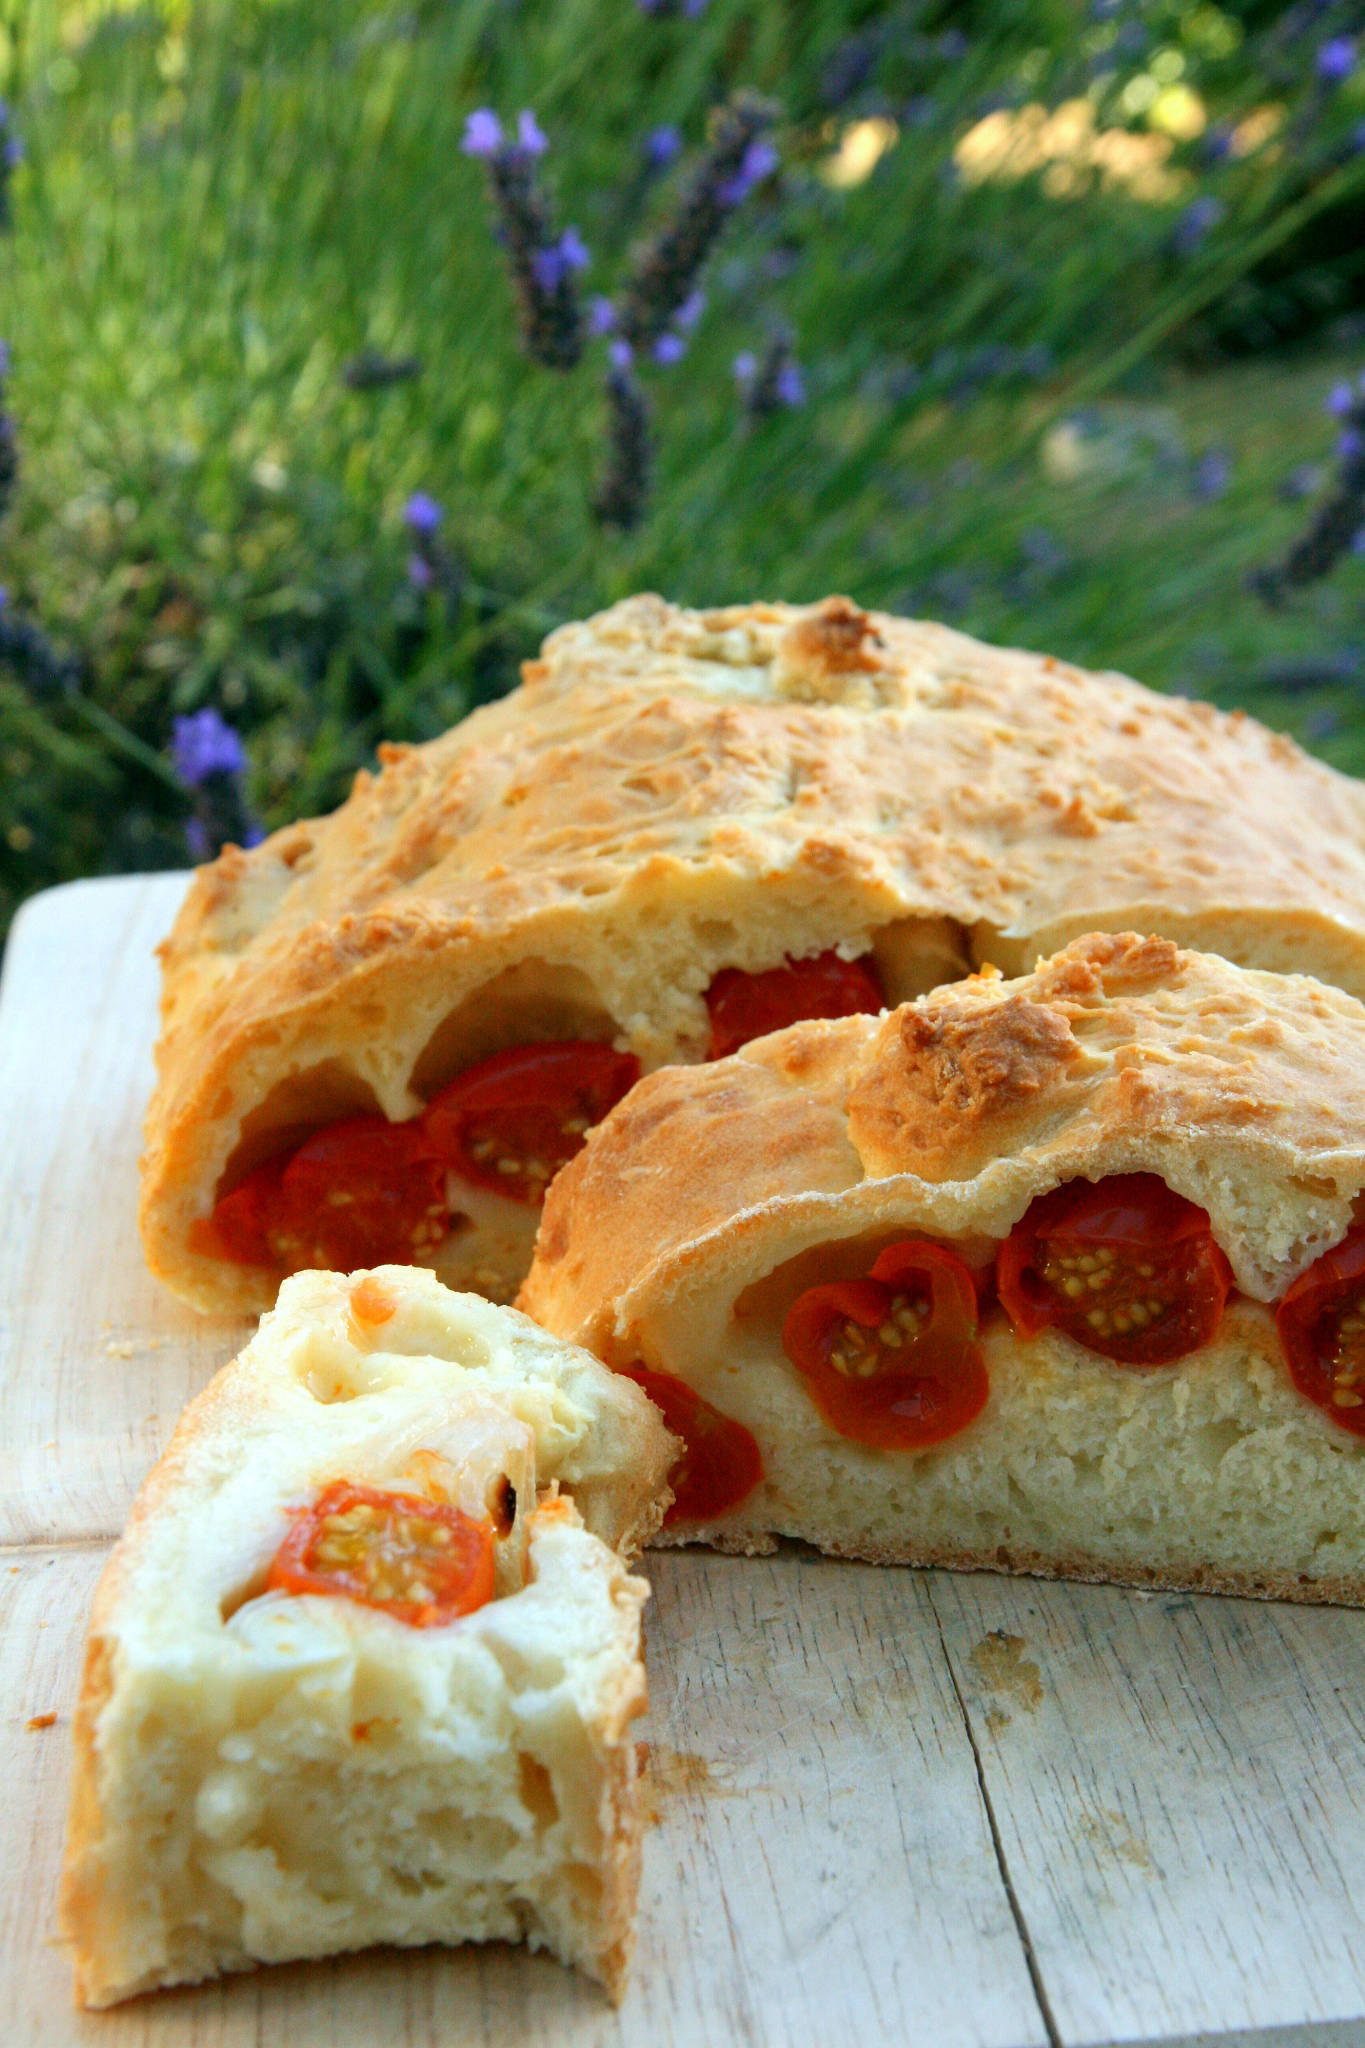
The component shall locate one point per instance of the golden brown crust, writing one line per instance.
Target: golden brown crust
(671, 792)
(1246, 1091)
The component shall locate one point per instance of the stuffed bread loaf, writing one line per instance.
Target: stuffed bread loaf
(1062, 1274)
(383, 1031)
(360, 1670)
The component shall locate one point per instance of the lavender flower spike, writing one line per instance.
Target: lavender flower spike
(482, 133)
(669, 349)
(790, 385)
(775, 382)
(548, 268)
(204, 744)
(666, 271)
(1336, 60)
(1339, 518)
(423, 514)
(661, 146)
(541, 263)
(574, 252)
(601, 315)
(531, 137)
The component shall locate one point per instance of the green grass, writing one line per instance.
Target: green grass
(222, 204)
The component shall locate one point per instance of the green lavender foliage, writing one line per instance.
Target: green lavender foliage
(1065, 421)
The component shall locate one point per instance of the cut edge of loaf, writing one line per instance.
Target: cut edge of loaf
(231, 1724)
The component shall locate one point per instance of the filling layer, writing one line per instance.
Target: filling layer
(361, 1191)
(891, 1357)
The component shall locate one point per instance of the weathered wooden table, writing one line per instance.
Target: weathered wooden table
(889, 1807)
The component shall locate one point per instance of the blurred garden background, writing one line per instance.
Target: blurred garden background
(350, 347)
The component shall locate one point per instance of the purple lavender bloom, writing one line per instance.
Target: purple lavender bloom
(601, 315)
(420, 572)
(1212, 474)
(760, 161)
(1199, 217)
(254, 833)
(622, 355)
(789, 385)
(574, 252)
(1358, 544)
(669, 349)
(1351, 444)
(14, 152)
(694, 8)
(197, 840)
(1341, 401)
(661, 146)
(745, 366)
(422, 514)
(482, 133)
(1336, 60)
(531, 137)
(204, 744)
(548, 267)
(690, 311)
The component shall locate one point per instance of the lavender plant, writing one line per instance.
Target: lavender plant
(431, 566)
(664, 274)
(11, 156)
(210, 760)
(543, 264)
(624, 487)
(771, 381)
(9, 442)
(1337, 528)
(660, 301)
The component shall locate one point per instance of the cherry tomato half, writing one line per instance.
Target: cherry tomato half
(1124, 1266)
(512, 1121)
(892, 1360)
(418, 1560)
(744, 1006)
(359, 1192)
(720, 1465)
(1322, 1328)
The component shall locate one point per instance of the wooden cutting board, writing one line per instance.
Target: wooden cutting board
(889, 1807)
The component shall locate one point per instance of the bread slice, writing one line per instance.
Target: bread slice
(263, 1774)
(671, 796)
(713, 1200)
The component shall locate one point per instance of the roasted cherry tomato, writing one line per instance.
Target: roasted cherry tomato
(242, 1222)
(512, 1121)
(416, 1559)
(1322, 1328)
(720, 1464)
(362, 1192)
(1124, 1266)
(744, 1006)
(892, 1360)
